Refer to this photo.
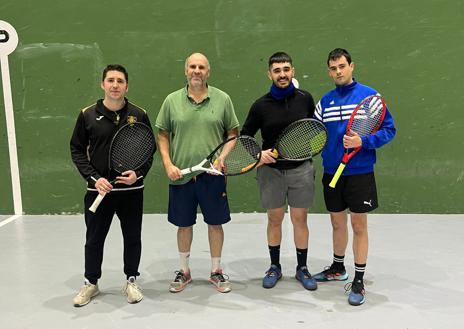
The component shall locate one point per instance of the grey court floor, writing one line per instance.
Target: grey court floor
(414, 277)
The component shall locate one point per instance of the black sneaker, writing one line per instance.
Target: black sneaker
(331, 274)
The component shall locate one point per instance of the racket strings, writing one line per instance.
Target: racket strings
(302, 140)
(131, 147)
(243, 157)
(368, 116)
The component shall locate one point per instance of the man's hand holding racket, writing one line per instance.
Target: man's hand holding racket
(268, 156)
(103, 186)
(352, 140)
(173, 172)
(128, 177)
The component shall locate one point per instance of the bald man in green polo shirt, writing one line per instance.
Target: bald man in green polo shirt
(192, 121)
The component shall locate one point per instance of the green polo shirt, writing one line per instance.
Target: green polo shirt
(195, 129)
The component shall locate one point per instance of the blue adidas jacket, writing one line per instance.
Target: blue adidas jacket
(334, 110)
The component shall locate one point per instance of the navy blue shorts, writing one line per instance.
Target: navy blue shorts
(356, 192)
(206, 191)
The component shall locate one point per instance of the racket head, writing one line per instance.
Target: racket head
(302, 140)
(367, 116)
(131, 147)
(240, 155)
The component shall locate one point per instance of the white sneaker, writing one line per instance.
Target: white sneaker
(220, 281)
(85, 294)
(181, 281)
(132, 291)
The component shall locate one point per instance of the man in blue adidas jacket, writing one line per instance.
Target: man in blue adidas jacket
(356, 188)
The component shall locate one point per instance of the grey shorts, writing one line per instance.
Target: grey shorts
(293, 186)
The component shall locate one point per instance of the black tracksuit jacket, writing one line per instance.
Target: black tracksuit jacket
(91, 139)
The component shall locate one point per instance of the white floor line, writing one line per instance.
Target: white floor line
(9, 220)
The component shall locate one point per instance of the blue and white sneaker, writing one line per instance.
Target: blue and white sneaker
(331, 274)
(305, 278)
(273, 274)
(356, 296)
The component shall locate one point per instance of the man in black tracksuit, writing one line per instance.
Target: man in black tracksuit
(90, 144)
(283, 182)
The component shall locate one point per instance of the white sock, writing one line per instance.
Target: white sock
(184, 261)
(215, 264)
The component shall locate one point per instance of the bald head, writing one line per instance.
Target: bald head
(197, 57)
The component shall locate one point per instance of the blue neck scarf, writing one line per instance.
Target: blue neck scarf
(279, 93)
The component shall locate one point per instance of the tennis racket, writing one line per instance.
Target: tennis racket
(131, 147)
(240, 155)
(365, 120)
(300, 140)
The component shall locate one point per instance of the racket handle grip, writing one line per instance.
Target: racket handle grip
(337, 175)
(96, 203)
(249, 167)
(275, 154)
(186, 171)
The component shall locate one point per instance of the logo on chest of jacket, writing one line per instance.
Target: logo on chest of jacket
(131, 119)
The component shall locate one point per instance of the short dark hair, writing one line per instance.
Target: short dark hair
(115, 67)
(337, 53)
(280, 57)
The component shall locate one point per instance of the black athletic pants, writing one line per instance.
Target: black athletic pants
(128, 206)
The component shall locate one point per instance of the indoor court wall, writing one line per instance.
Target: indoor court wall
(409, 51)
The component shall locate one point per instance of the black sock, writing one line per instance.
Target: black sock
(359, 271)
(338, 262)
(301, 256)
(274, 252)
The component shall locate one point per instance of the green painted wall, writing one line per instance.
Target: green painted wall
(410, 51)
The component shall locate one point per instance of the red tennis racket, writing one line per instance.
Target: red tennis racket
(365, 120)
